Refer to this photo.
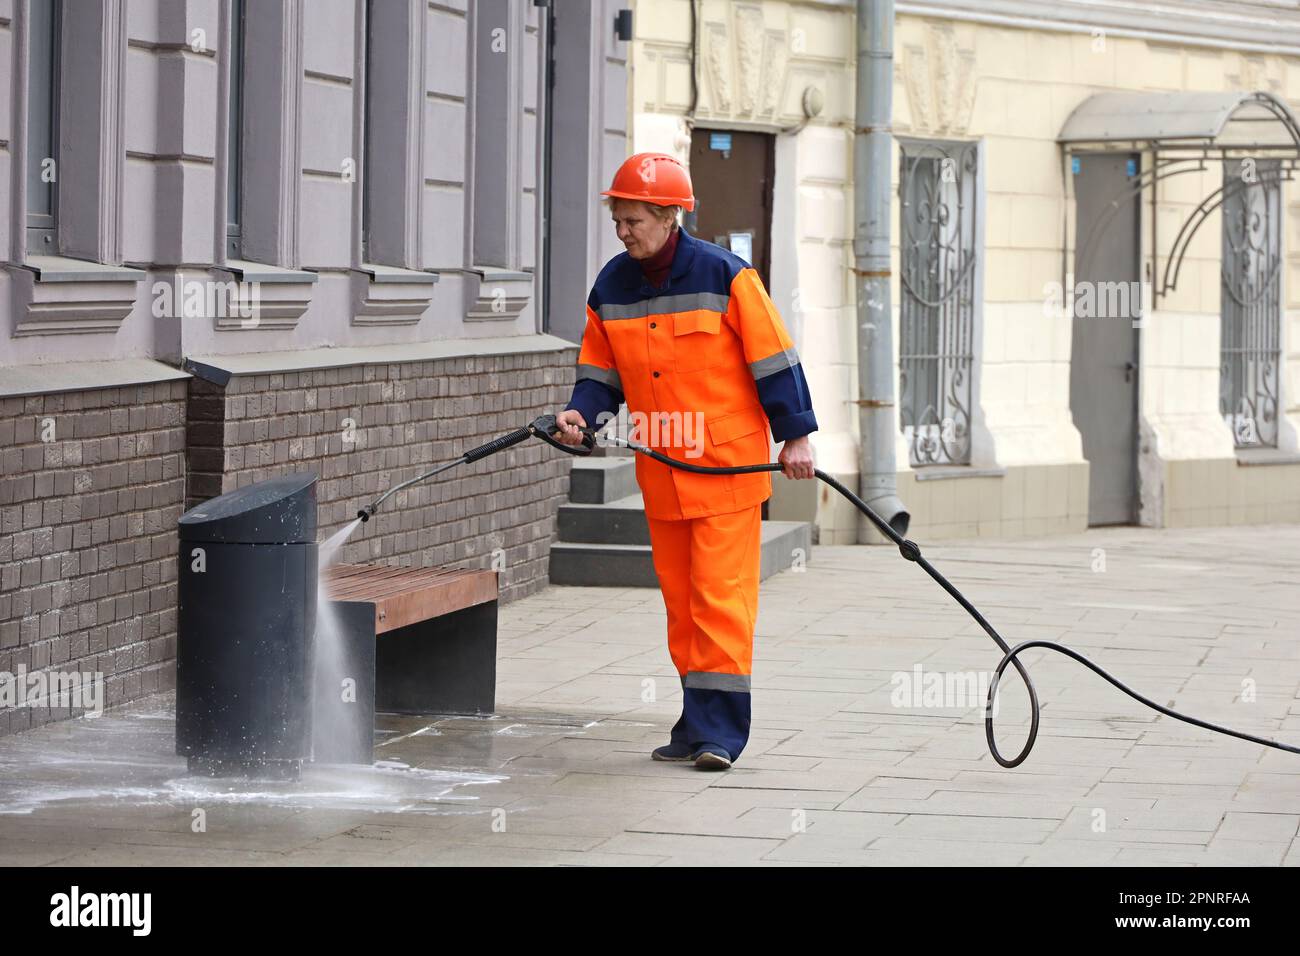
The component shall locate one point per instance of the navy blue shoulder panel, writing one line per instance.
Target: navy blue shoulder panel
(698, 266)
(609, 284)
(712, 270)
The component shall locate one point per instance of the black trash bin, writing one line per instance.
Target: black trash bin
(247, 589)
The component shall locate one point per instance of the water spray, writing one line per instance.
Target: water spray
(546, 429)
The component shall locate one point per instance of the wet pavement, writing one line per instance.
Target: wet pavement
(867, 748)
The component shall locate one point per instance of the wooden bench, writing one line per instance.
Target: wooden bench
(411, 641)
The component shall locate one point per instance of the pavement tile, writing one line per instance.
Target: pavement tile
(835, 773)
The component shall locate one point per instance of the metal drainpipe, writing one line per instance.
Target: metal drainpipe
(872, 180)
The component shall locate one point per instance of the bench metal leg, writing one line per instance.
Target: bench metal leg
(444, 666)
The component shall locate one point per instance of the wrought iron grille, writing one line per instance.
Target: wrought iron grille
(937, 244)
(1250, 344)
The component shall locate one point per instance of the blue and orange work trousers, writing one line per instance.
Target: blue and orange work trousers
(708, 573)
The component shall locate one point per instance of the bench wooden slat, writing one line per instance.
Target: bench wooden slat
(368, 577)
(379, 584)
(403, 596)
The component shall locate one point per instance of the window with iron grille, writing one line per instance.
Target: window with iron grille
(1250, 301)
(937, 184)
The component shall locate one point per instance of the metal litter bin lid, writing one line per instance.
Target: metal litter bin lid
(276, 511)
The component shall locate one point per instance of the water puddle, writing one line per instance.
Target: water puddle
(127, 760)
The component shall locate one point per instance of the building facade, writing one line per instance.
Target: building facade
(243, 238)
(1093, 317)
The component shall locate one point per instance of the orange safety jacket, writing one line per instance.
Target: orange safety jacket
(705, 365)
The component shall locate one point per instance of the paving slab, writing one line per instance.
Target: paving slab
(842, 768)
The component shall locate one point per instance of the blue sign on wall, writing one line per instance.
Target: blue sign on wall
(1132, 167)
(1075, 165)
(720, 141)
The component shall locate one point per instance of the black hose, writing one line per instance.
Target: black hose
(1010, 655)
(545, 427)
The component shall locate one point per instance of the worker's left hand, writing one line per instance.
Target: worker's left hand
(796, 458)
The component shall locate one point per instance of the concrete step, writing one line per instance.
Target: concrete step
(588, 564)
(621, 521)
(595, 481)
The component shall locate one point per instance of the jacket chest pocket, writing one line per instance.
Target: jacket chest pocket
(696, 340)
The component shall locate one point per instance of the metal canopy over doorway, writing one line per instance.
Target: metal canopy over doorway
(1116, 145)
(1183, 133)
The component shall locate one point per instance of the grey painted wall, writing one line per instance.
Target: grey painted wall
(590, 120)
(456, 192)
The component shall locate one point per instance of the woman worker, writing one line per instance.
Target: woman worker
(684, 332)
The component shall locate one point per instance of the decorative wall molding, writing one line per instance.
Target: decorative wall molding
(1253, 73)
(938, 78)
(497, 295)
(384, 295)
(265, 298)
(746, 64)
(775, 58)
(749, 54)
(717, 57)
(57, 296)
(1224, 24)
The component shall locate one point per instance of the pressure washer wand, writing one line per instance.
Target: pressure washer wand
(541, 427)
(366, 513)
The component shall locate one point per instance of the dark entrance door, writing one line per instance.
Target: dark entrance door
(1104, 353)
(732, 173)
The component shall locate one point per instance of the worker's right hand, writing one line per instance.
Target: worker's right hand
(570, 422)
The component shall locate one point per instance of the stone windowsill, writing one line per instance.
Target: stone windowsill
(939, 472)
(63, 269)
(61, 295)
(269, 298)
(246, 271)
(496, 295)
(1267, 456)
(388, 295)
(488, 274)
(387, 274)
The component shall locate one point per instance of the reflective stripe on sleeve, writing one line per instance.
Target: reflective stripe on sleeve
(788, 358)
(606, 376)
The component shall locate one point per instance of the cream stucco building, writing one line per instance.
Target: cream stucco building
(1096, 301)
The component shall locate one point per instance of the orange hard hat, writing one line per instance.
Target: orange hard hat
(654, 178)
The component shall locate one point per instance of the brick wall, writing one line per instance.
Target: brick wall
(88, 517)
(406, 418)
